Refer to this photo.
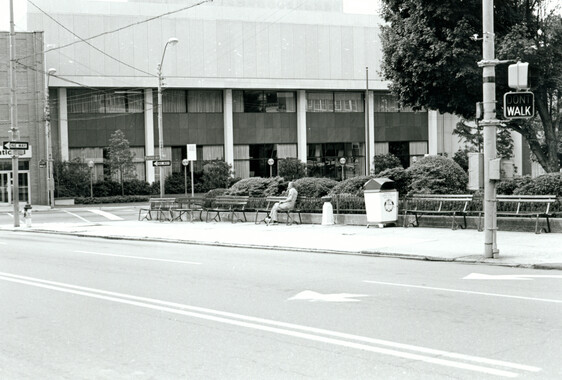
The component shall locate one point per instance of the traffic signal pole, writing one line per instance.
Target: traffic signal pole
(489, 124)
(14, 132)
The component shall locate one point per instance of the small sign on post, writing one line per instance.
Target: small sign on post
(342, 163)
(185, 162)
(16, 145)
(192, 152)
(162, 163)
(270, 162)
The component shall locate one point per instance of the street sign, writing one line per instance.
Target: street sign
(185, 162)
(271, 161)
(151, 158)
(162, 163)
(518, 105)
(12, 145)
(42, 164)
(343, 161)
(192, 152)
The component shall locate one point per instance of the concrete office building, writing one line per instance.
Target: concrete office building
(249, 80)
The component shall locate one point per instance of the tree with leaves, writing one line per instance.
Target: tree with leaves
(430, 61)
(121, 157)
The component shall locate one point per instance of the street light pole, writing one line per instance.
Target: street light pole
(489, 124)
(171, 41)
(14, 131)
(50, 179)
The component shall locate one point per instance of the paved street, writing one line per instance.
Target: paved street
(96, 308)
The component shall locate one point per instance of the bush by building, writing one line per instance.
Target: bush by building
(72, 178)
(351, 186)
(508, 186)
(291, 168)
(216, 174)
(546, 184)
(400, 177)
(437, 175)
(258, 187)
(314, 187)
(381, 162)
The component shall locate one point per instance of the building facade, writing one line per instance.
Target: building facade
(248, 81)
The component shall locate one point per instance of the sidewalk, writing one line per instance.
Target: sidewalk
(524, 249)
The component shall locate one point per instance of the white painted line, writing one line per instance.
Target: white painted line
(196, 312)
(78, 216)
(107, 215)
(140, 257)
(312, 296)
(465, 291)
(527, 277)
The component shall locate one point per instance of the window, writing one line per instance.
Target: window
(319, 102)
(204, 101)
(264, 101)
(323, 160)
(174, 101)
(389, 103)
(99, 101)
(348, 102)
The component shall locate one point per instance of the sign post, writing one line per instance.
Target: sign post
(342, 163)
(270, 162)
(91, 166)
(192, 156)
(185, 162)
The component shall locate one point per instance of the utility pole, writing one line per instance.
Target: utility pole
(367, 142)
(489, 123)
(14, 132)
(48, 140)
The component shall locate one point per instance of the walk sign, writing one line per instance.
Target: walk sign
(519, 105)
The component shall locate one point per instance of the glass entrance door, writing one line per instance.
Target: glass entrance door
(5, 196)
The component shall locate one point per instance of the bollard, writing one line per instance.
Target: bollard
(27, 214)
(327, 212)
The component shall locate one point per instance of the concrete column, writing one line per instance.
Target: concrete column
(149, 133)
(63, 125)
(302, 149)
(433, 143)
(228, 127)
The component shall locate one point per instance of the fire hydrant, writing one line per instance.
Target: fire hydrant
(27, 214)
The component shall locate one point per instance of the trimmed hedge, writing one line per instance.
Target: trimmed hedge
(258, 187)
(114, 199)
(546, 184)
(437, 175)
(314, 187)
(352, 186)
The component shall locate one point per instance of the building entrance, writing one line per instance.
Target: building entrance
(6, 183)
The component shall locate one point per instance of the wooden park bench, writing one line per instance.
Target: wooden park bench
(234, 205)
(270, 202)
(537, 206)
(452, 205)
(188, 206)
(158, 208)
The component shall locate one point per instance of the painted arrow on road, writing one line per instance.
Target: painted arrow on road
(309, 295)
(526, 277)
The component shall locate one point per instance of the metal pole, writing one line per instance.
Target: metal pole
(185, 179)
(160, 137)
(14, 132)
(192, 184)
(489, 123)
(367, 142)
(50, 182)
(91, 184)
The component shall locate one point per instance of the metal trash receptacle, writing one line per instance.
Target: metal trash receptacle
(381, 202)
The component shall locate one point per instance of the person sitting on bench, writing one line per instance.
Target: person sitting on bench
(286, 205)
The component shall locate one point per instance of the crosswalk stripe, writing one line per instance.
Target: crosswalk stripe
(106, 214)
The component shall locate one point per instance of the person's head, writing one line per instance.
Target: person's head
(290, 185)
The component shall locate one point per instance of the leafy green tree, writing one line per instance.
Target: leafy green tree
(216, 174)
(121, 157)
(431, 61)
(72, 178)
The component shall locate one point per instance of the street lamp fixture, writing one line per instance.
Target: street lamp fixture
(172, 41)
(50, 179)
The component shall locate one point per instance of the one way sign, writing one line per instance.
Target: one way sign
(16, 145)
(518, 105)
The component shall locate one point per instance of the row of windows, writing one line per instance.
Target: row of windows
(210, 101)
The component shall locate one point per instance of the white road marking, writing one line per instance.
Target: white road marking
(311, 296)
(107, 215)
(465, 291)
(140, 257)
(281, 328)
(78, 216)
(527, 277)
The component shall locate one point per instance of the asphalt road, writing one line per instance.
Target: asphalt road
(78, 308)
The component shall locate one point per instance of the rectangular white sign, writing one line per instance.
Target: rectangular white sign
(6, 153)
(192, 152)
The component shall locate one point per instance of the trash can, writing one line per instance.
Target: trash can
(381, 202)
